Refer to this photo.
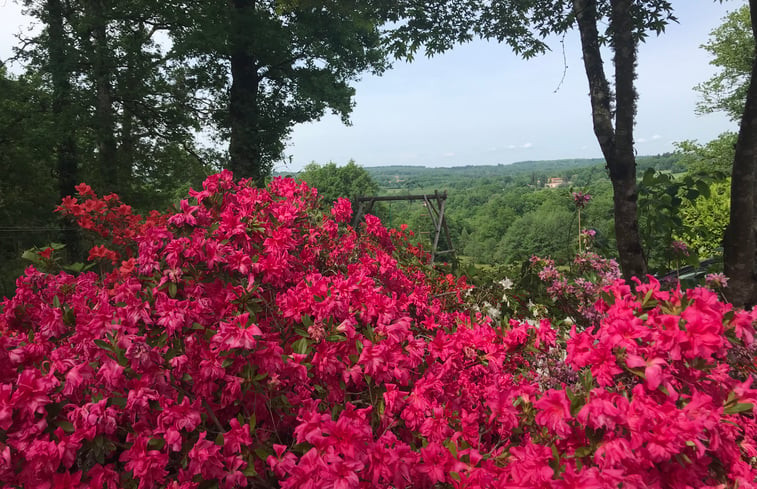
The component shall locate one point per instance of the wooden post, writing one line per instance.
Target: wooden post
(435, 204)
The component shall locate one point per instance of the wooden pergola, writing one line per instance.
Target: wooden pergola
(434, 204)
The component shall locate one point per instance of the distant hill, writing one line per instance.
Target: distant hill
(424, 177)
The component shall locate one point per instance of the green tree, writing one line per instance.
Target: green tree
(704, 220)
(732, 48)
(332, 181)
(28, 189)
(127, 118)
(524, 25)
(56, 48)
(545, 232)
(268, 65)
(704, 217)
(713, 159)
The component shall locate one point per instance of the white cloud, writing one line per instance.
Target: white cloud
(527, 145)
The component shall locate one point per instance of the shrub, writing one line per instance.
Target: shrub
(249, 339)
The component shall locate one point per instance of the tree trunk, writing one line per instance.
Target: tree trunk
(111, 175)
(65, 146)
(244, 148)
(616, 141)
(740, 243)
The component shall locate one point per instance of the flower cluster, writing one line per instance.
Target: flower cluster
(679, 249)
(716, 281)
(249, 339)
(580, 199)
(575, 291)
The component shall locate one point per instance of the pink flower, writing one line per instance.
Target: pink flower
(580, 199)
(554, 412)
(205, 459)
(6, 406)
(679, 248)
(148, 466)
(342, 210)
(435, 462)
(46, 254)
(652, 369)
(716, 280)
(102, 253)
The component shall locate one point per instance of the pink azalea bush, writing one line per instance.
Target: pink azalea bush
(249, 339)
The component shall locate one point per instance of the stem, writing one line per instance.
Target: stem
(212, 416)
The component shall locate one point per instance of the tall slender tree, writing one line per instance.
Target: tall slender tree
(524, 26)
(740, 243)
(615, 140)
(60, 65)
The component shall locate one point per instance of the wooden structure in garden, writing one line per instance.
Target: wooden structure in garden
(434, 204)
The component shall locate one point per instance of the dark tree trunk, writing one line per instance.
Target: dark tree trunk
(244, 147)
(65, 147)
(740, 243)
(112, 177)
(616, 141)
(128, 85)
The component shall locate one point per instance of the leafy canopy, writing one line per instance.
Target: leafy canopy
(732, 47)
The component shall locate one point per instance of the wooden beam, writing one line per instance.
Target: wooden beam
(388, 198)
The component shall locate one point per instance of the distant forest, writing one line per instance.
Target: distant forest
(499, 214)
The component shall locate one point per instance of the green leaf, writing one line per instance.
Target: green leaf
(172, 289)
(118, 401)
(156, 443)
(300, 346)
(66, 426)
(78, 267)
(104, 345)
(649, 177)
(582, 452)
(739, 407)
(31, 256)
(451, 447)
(704, 189)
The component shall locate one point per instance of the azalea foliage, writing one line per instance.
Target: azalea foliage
(249, 339)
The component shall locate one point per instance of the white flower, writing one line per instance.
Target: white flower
(506, 283)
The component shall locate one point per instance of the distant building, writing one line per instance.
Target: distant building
(555, 182)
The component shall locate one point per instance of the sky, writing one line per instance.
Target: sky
(479, 104)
